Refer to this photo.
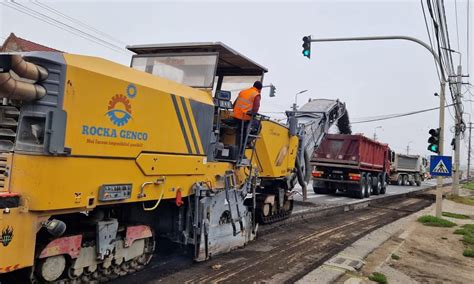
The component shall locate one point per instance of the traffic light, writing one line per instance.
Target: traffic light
(434, 140)
(307, 46)
(272, 91)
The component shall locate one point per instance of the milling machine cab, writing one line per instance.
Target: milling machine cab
(214, 68)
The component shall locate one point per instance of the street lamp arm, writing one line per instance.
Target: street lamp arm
(396, 37)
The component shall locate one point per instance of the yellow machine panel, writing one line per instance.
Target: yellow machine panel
(117, 111)
(73, 182)
(276, 150)
(17, 239)
(162, 164)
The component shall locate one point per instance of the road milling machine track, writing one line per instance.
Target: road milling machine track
(98, 160)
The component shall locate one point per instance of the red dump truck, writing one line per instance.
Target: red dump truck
(351, 163)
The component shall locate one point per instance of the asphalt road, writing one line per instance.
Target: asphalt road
(328, 200)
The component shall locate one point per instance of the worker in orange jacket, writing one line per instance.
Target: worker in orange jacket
(248, 101)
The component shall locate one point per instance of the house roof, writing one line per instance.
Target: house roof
(15, 43)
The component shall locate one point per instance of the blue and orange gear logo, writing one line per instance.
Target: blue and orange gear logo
(119, 110)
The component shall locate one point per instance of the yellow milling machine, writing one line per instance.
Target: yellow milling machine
(98, 159)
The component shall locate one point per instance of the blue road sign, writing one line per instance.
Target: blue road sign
(440, 166)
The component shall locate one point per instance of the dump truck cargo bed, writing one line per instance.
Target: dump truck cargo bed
(355, 151)
(351, 163)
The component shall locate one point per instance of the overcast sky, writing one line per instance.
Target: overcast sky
(372, 78)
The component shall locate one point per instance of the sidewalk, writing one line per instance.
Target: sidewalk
(405, 251)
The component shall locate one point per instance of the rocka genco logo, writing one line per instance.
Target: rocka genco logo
(119, 112)
(120, 108)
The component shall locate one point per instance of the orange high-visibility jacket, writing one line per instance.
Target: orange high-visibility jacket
(244, 103)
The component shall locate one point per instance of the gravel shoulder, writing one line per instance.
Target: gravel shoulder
(420, 254)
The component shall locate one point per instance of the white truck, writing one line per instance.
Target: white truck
(407, 169)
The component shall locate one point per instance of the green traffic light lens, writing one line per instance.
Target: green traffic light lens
(306, 52)
(433, 148)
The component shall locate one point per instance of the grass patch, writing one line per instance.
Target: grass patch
(468, 239)
(378, 277)
(461, 199)
(468, 253)
(396, 257)
(467, 229)
(433, 221)
(455, 215)
(467, 232)
(469, 185)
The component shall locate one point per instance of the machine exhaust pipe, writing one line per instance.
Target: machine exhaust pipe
(14, 89)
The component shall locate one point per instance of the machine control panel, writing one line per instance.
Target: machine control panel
(222, 99)
(112, 192)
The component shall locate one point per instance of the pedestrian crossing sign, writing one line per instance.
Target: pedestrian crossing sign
(440, 166)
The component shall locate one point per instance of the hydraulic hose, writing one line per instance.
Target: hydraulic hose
(17, 89)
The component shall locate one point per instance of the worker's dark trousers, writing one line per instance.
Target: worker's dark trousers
(241, 132)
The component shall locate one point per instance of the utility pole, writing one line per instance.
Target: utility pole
(439, 180)
(408, 147)
(375, 132)
(457, 132)
(469, 154)
(295, 104)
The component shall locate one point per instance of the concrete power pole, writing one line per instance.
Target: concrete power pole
(457, 132)
(469, 154)
(439, 180)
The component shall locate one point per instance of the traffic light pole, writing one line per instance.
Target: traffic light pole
(439, 180)
(439, 184)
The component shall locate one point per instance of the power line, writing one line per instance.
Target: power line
(91, 28)
(400, 115)
(429, 37)
(46, 19)
(457, 27)
(467, 31)
(68, 26)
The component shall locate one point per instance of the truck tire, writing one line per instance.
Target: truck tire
(368, 186)
(331, 189)
(404, 180)
(376, 184)
(383, 189)
(400, 180)
(418, 179)
(319, 187)
(359, 189)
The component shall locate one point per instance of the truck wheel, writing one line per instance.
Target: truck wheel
(383, 189)
(368, 186)
(331, 190)
(404, 180)
(359, 189)
(418, 179)
(400, 180)
(319, 187)
(376, 184)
